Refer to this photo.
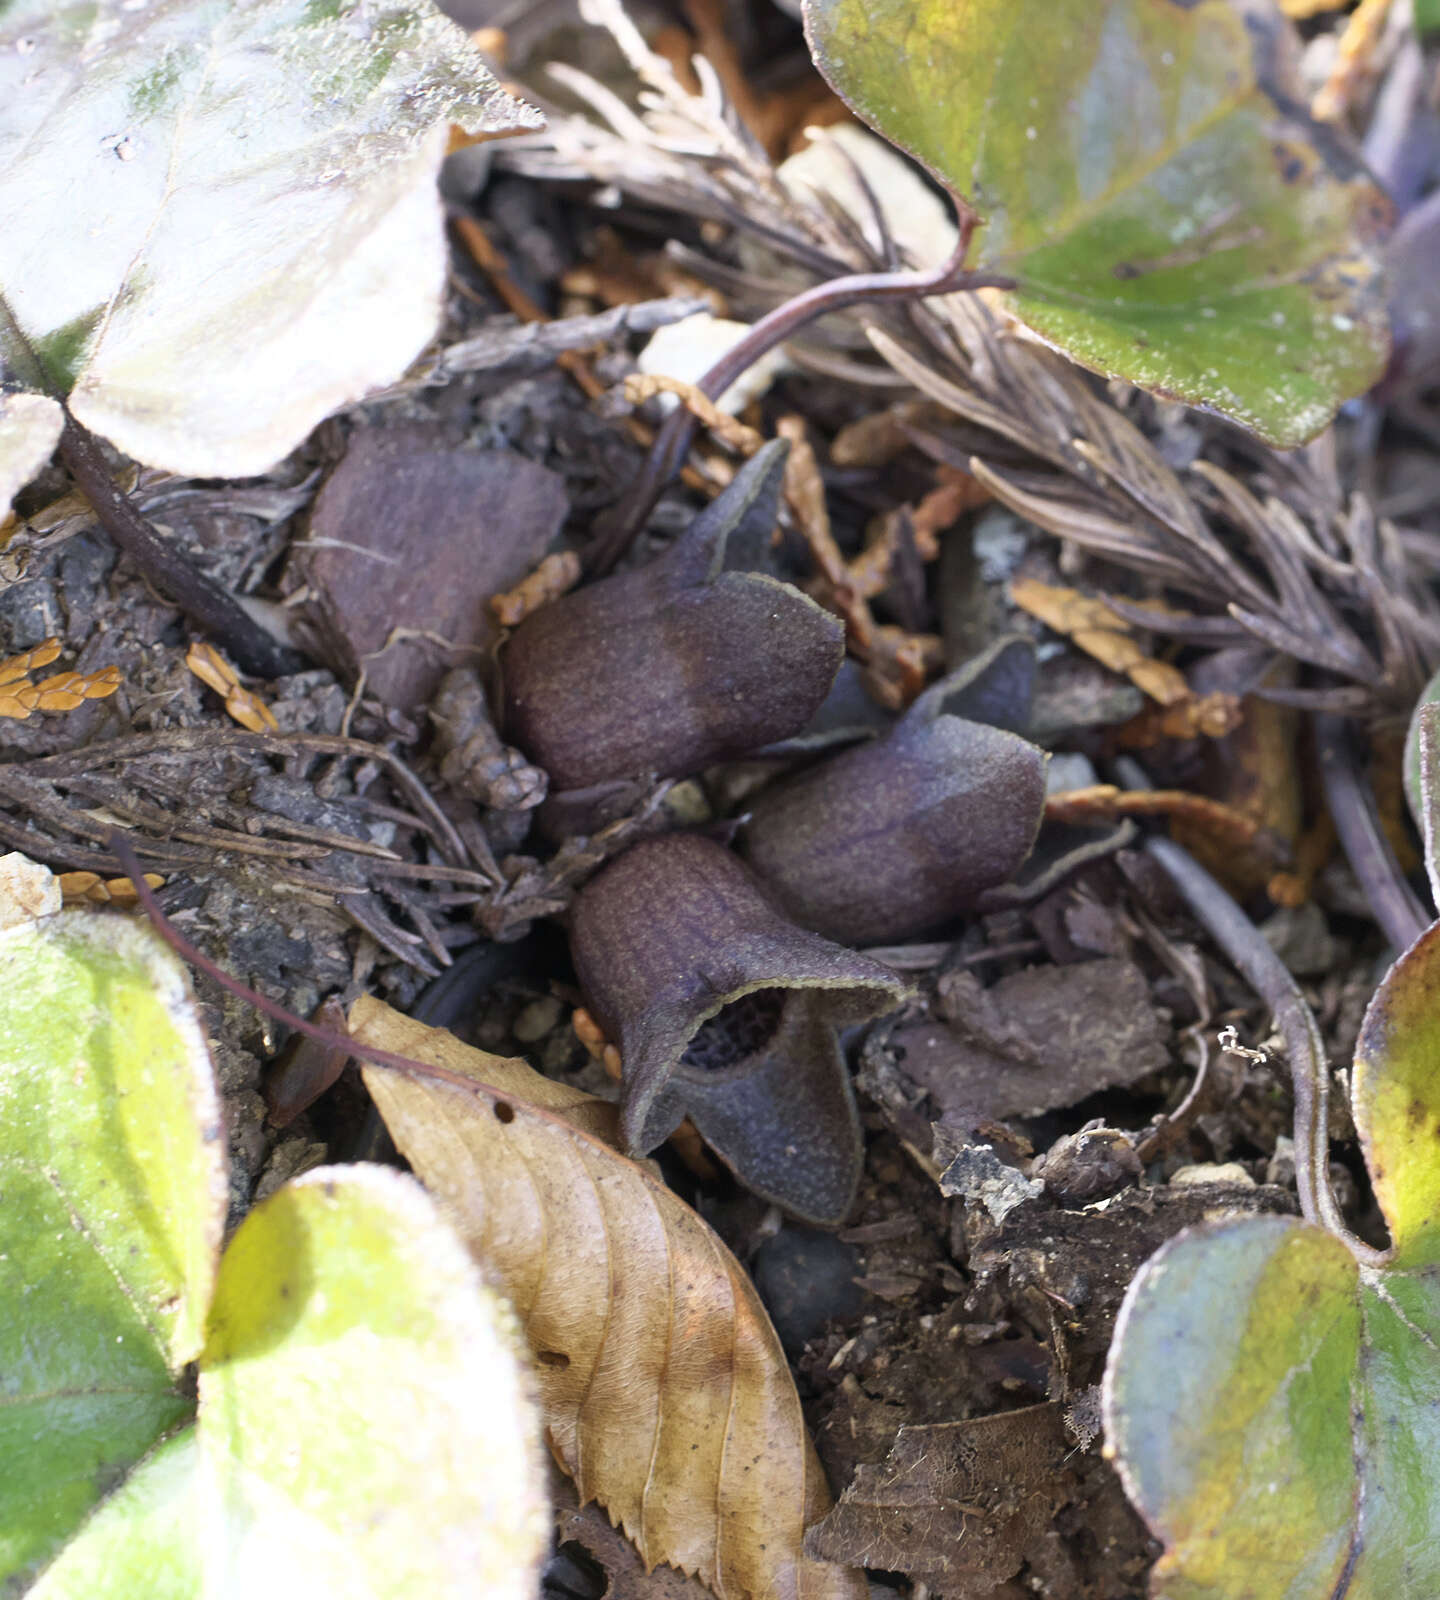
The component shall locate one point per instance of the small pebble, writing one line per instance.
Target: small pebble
(1214, 1172)
(806, 1279)
(537, 1019)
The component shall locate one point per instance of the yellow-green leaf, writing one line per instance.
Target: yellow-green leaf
(1396, 1099)
(144, 1541)
(112, 1200)
(365, 1425)
(1272, 1396)
(1145, 170)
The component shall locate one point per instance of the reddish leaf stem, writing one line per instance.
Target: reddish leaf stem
(617, 529)
(120, 847)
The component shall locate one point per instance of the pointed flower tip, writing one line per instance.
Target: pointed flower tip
(727, 1012)
(677, 665)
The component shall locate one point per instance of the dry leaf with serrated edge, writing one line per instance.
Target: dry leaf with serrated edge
(666, 1394)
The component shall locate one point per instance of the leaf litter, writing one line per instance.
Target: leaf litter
(375, 842)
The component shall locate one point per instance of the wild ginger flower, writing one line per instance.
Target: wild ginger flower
(726, 1012)
(899, 834)
(676, 665)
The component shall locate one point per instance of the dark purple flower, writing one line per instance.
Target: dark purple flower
(899, 834)
(726, 1012)
(677, 665)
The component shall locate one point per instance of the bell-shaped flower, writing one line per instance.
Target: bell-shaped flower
(676, 665)
(897, 835)
(724, 1011)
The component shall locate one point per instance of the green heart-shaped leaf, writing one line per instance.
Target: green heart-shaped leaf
(112, 1200)
(1273, 1397)
(1146, 174)
(363, 1425)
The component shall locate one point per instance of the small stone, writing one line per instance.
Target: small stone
(27, 890)
(807, 1279)
(537, 1019)
(1083, 1166)
(1226, 1172)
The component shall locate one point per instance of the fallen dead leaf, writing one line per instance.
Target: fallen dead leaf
(955, 1500)
(216, 673)
(82, 888)
(556, 575)
(64, 691)
(665, 1391)
(625, 1574)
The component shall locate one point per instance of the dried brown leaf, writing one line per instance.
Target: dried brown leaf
(642, 386)
(18, 666)
(80, 888)
(665, 1391)
(1097, 630)
(242, 704)
(955, 1501)
(62, 691)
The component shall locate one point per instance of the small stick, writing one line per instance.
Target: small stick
(1392, 901)
(619, 527)
(204, 602)
(1248, 950)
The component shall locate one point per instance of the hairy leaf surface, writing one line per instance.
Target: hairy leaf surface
(1272, 1397)
(218, 218)
(1146, 172)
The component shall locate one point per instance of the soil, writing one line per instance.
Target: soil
(343, 855)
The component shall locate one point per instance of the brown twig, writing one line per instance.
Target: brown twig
(205, 603)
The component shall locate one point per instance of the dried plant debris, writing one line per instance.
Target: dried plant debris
(1041, 1038)
(20, 695)
(956, 1504)
(409, 539)
(1330, 586)
(665, 1392)
(187, 794)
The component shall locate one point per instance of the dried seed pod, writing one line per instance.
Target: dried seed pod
(726, 1012)
(895, 836)
(678, 665)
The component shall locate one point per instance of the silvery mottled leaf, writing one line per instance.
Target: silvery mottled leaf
(29, 430)
(218, 218)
